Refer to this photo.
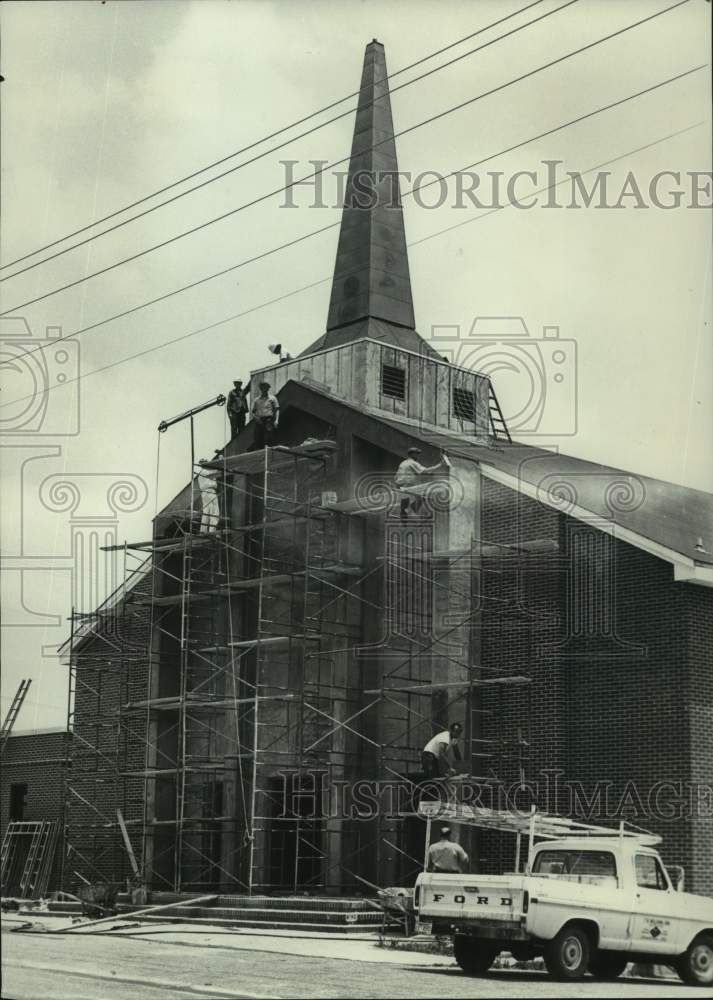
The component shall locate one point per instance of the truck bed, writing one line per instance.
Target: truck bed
(461, 899)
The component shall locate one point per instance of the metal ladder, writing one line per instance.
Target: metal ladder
(42, 839)
(14, 710)
(37, 868)
(497, 421)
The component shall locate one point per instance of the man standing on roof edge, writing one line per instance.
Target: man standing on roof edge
(237, 407)
(265, 412)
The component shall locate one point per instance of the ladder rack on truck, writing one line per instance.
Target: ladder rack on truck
(532, 825)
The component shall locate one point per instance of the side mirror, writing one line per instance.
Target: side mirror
(676, 874)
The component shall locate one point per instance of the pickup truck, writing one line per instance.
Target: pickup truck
(586, 904)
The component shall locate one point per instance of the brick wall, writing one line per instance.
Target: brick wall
(38, 760)
(111, 671)
(621, 700)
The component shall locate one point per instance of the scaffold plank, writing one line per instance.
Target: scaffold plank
(475, 682)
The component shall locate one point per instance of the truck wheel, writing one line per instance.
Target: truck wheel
(695, 966)
(567, 954)
(473, 955)
(607, 964)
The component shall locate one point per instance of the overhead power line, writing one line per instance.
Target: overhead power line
(275, 149)
(266, 138)
(420, 187)
(418, 242)
(322, 281)
(316, 173)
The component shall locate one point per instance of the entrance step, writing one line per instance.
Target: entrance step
(306, 913)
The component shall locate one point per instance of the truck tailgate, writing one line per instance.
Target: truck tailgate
(470, 897)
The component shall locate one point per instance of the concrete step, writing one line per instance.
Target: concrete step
(266, 925)
(276, 916)
(316, 913)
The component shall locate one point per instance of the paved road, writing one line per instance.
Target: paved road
(74, 967)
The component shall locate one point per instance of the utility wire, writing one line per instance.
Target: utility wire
(272, 135)
(321, 281)
(336, 163)
(405, 194)
(275, 149)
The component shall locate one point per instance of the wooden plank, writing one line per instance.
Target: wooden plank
(127, 843)
(78, 928)
(425, 688)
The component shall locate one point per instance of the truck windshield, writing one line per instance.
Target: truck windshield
(561, 862)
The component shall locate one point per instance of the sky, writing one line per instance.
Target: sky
(104, 103)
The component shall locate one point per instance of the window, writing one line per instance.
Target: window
(463, 404)
(393, 382)
(18, 793)
(649, 873)
(575, 863)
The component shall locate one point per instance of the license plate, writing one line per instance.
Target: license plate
(425, 926)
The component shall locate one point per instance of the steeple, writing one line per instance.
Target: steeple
(371, 289)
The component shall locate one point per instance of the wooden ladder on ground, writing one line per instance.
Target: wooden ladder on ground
(37, 868)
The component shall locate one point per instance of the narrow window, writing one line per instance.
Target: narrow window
(18, 793)
(393, 382)
(463, 404)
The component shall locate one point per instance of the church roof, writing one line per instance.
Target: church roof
(672, 516)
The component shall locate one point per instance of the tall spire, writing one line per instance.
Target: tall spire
(371, 275)
(371, 289)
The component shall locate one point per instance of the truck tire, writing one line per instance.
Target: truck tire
(567, 954)
(607, 964)
(473, 955)
(695, 966)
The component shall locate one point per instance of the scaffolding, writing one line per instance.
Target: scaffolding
(296, 649)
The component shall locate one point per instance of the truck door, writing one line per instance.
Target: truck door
(652, 927)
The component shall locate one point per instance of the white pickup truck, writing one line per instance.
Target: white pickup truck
(590, 903)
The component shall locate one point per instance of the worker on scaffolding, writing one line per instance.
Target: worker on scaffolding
(208, 492)
(237, 407)
(265, 412)
(412, 479)
(446, 856)
(442, 752)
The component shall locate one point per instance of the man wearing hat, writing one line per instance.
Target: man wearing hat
(265, 412)
(445, 856)
(441, 752)
(237, 408)
(410, 473)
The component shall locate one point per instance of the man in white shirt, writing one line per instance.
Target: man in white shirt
(441, 752)
(411, 473)
(210, 508)
(265, 412)
(445, 856)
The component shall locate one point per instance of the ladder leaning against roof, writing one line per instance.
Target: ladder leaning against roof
(14, 710)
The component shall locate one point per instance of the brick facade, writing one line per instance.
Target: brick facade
(621, 716)
(38, 760)
(615, 723)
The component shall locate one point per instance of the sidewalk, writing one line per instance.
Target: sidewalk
(348, 947)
